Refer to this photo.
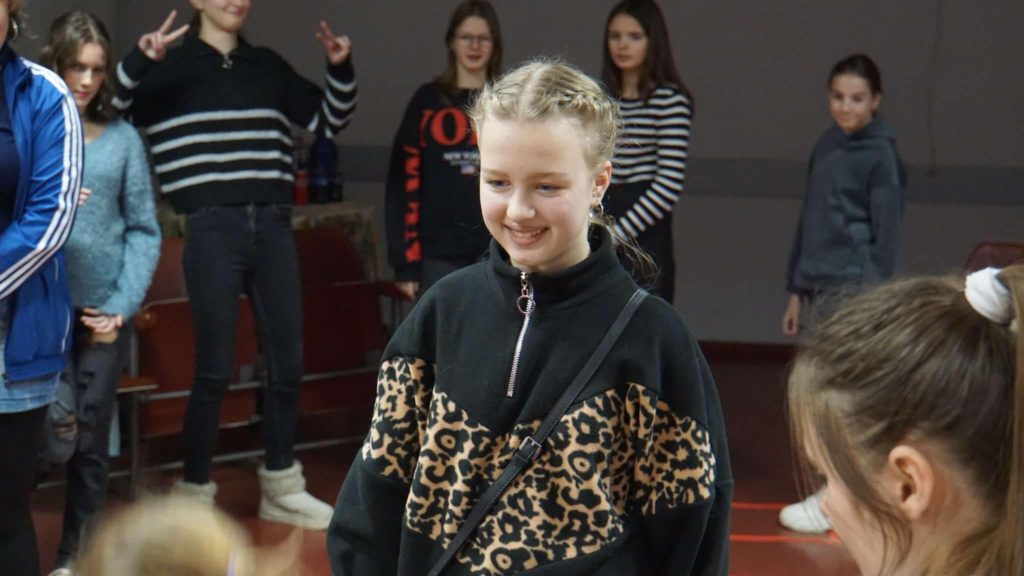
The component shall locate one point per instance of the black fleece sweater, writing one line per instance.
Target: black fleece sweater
(219, 126)
(432, 207)
(849, 229)
(635, 480)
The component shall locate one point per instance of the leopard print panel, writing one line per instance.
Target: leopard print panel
(609, 458)
(399, 417)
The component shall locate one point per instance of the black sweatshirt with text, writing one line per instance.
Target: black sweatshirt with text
(634, 480)
(432, 204)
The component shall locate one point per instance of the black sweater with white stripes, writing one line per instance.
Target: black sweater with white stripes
(219, 126)
(651, 150)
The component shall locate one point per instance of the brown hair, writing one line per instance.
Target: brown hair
(448, 80)
(68, 34)
(912, 360)
(174, 535)
(659, 67)
(551, 89)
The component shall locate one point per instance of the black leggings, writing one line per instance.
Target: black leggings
(22, 436)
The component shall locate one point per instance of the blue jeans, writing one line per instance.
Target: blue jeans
(231, 250)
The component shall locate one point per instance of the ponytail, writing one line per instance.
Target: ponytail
(1011, 531)
(637, 261)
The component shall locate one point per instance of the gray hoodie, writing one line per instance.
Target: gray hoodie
(849, 228)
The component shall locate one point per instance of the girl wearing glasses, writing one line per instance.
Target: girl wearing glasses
(650, 157)
(432, 206)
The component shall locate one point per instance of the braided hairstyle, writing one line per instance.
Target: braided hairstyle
(547, 89)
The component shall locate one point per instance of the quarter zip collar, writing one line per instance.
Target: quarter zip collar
(570, 287)
(195, 47)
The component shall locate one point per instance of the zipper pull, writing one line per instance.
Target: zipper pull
(227, 63)
(525, 304)
(525, 301)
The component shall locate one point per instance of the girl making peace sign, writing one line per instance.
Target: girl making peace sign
(218, 113)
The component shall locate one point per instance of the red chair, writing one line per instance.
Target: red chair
(995, 253)
(343, 335)
(343, 338)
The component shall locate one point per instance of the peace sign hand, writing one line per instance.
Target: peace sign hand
(336, 49)
(154, 45)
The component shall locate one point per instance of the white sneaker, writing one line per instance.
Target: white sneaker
(284, 499)
(204, 493)
(62, 572)
(805, 516)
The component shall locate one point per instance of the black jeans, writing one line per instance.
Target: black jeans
(231, 250)
(22, 434)
(88, 389)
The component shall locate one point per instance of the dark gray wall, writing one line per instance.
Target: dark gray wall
(953, 88)
(41, 12)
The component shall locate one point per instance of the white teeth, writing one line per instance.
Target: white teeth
(520, 234)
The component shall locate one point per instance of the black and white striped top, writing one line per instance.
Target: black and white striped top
(220, 126)
(651, 149)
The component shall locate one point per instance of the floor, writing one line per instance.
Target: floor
(750, 380)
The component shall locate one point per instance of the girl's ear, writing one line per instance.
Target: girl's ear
(909, 479)
(602, 180)
(876, 101)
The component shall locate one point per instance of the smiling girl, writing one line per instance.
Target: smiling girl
(111, 256)
(849, 229)
(635, 477)
(432, 207)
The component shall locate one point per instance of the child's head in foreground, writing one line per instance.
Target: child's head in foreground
(180, 536)
(908, 403)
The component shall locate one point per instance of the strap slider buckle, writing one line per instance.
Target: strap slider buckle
(529, 449)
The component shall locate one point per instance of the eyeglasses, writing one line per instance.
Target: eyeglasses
(470, 39)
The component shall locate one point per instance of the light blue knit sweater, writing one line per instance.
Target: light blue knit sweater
(115, 242)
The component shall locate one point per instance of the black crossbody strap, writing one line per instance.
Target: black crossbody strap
(531, 445)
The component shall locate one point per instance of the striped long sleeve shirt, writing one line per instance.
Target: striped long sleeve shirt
(219, 126)
(651, 149)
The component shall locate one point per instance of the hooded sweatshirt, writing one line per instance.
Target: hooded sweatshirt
(849, 228)
(634, 480)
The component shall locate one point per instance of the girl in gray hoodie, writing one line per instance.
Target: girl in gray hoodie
(848, 233)
(849, 228)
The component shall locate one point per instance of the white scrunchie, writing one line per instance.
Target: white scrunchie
(988, 296)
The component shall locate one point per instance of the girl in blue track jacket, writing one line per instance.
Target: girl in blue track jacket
(40, 167)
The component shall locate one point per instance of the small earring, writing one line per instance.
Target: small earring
(15, 30)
